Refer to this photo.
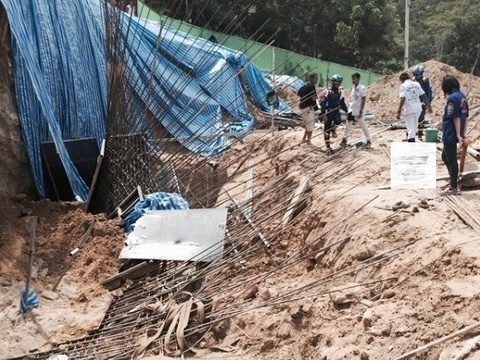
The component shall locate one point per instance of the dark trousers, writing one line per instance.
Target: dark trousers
(449, 157)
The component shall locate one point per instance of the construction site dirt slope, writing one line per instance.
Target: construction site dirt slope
(423, 277)
(376, 283)
(423, 286)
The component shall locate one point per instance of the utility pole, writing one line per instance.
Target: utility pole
(407, 34)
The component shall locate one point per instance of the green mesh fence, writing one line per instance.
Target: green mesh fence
(286, 62)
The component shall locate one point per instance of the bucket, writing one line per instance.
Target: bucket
(431, 135)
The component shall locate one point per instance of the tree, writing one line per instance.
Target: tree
(362, 33)
(446, 31)
(366, 36)
(462, 45)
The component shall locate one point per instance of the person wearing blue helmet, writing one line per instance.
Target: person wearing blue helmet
(424, 82)
(332, 101)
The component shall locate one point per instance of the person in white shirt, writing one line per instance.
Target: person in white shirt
(357, 110)
(411, 96)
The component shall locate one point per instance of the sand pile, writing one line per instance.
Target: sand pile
(80, 302)
(384, 94)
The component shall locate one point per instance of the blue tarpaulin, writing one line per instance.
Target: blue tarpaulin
(61, 86)
(292, 81)
(60, 81)
(155, 201)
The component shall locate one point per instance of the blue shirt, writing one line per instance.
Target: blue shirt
(456, 107)
(425, 84)
(333, 99)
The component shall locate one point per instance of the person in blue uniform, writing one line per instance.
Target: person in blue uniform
(332, 100)
(454, 125)
(418, 72)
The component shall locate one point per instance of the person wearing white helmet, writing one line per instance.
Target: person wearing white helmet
(332, 101)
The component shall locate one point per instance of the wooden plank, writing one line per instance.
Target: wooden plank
(296, 200)
(249, 192)
(463, 156)
(134, 272)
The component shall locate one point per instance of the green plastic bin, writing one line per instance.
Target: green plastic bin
(431, 135)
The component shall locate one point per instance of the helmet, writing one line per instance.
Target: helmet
(337, 79)
(418, 70)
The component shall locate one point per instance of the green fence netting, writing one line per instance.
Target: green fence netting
(286, 62)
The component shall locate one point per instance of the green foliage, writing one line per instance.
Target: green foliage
(447, 31)
(361, 33)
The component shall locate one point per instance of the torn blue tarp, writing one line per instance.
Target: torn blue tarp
(61, 87)
(177, 100)
(216, 68)
(155, 201)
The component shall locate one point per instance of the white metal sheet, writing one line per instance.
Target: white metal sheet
(413, 166)
(181, 235)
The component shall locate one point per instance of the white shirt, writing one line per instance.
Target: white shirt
(358, 93)
(411, 91)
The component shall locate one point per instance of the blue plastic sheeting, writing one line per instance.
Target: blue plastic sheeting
(155, 201)
(216, 68)
(191, 111)
(59, 79)
(292, 81)
(28, 301)
(61, 88)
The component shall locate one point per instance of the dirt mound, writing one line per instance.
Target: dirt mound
(384, 94)
(80, 302)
